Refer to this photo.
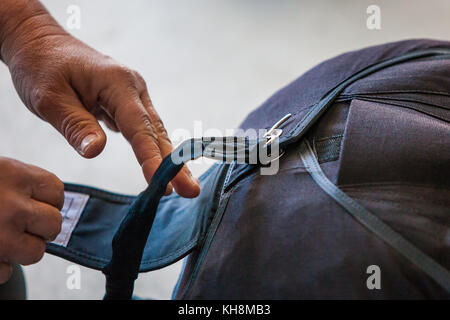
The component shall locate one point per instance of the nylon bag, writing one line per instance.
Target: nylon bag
(363, 181)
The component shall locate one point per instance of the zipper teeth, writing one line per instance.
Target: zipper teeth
(212, 230)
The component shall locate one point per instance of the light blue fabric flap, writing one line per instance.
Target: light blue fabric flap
(179, 226)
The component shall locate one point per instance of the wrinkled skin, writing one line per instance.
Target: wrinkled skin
(30, 203)
(73, 87)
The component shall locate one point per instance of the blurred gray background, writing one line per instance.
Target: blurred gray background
(212, 61)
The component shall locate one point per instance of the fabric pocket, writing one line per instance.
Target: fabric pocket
(384, 143)
(395, 161)
(434, 105)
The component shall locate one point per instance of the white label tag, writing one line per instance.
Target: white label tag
(74, 204)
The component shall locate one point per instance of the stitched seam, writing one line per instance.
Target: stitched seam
(101, 194)
(391, 183)
(358, 75)
(330, 137)
(211, 231)
(420, 91)
(167, 257)
(400, 105)
(80, 253)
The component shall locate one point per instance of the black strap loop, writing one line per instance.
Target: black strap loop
(130, 240)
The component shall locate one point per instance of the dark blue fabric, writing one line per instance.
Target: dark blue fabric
(307, 107)
(281, 237)
(178, 227)
(307, 90)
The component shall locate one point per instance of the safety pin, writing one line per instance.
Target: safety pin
(274, 132)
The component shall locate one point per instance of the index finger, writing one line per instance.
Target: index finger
(135, 124)
(185, 184)
(123, 102)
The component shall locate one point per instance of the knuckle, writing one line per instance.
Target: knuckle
(145, 132)
(48, 178)
(149, 163)
(51, 179)
(151, 131)
(13, 168)
(160, 128)
(35, 254)
(55, 225)
(126, 74)
(129, 78)
(60, 195)
(140, 80)
(147, 128)
(143, 136)
(57, 187)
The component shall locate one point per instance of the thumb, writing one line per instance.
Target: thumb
(80, 128)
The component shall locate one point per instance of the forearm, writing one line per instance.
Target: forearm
(21, 22)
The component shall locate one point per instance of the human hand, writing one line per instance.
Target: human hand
(72, 86)
(30, 201)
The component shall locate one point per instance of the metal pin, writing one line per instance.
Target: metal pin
(276, 125)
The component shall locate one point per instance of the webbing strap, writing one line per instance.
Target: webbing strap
(129, 241)
(373, 223)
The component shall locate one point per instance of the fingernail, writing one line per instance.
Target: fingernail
(86, 143)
